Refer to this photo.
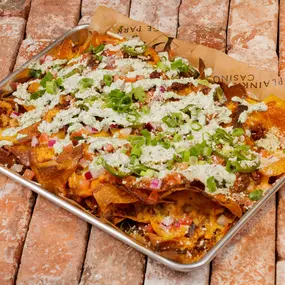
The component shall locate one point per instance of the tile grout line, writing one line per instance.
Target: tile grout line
(33, 203)
(178, 13)
(227, 48)
(85, 252)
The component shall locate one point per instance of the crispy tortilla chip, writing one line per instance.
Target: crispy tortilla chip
(53, 175)
(235, 90)
(22, 152)
(106, 194)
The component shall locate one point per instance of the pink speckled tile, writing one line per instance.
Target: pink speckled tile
(28, 49)
(157, 274)
(89, 6)
(55, 246)
(250, 256)
(204, 22)
(11, 34)
(49, 19)
(109, 261)
(253, 27)
(281, 224)
(280, 272)
(15, 212)
(19, 8)
(161, 14)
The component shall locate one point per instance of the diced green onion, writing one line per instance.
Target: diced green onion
(190, 137)
(237, 132)
(136, 140)
(140, 169)
(222, 136)
(196, 126)
(46, 78)
(37, 94)
(147, 135)
(163, 67)
(186, 155)
(166, 143)
(173, 120)
(85, 83)
(196, 150)
(59, 82)
(211, 184)
(108, 79)
(177, 138)
(148, 173)
(255, 195)
(51, 87)
(202, 162)
(207, 151)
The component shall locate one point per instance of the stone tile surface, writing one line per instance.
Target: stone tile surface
(11, 34)
(15, 8)
(280, 272)
(55, 247)
(157, 274)
(89, 6)
(15, 212)
(281, 224)
(250, 256)
(204, 22)
(252, 31)
(163, 15)
(109, 261)
(49, 19)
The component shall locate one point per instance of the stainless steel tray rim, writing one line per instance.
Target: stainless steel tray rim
(205, 260)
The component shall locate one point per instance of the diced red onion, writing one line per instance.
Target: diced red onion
(223, 220)
(126, 131)
(149, 126)
(88, 175)
(162, 89)
(155, 183)
(17, 167)
(113, 126)
(35, 141)
(167, 221)
(91, 130)
(83, 162)
(14, 115)
(177, 224)
(51, 143)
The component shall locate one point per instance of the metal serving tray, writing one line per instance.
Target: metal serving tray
(79, 34)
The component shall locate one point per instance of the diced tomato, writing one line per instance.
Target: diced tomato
(43, 139)
(148, 228)
(186, 221)
(28, 174)
(129, 79)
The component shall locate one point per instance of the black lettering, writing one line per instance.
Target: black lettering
(280, 82)
(236, 77)
(245, 84)
(250, 77)
(266, 83)
(224, 78)
(253, 85)
(243, 77)
(216, 79)
(139, 29)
